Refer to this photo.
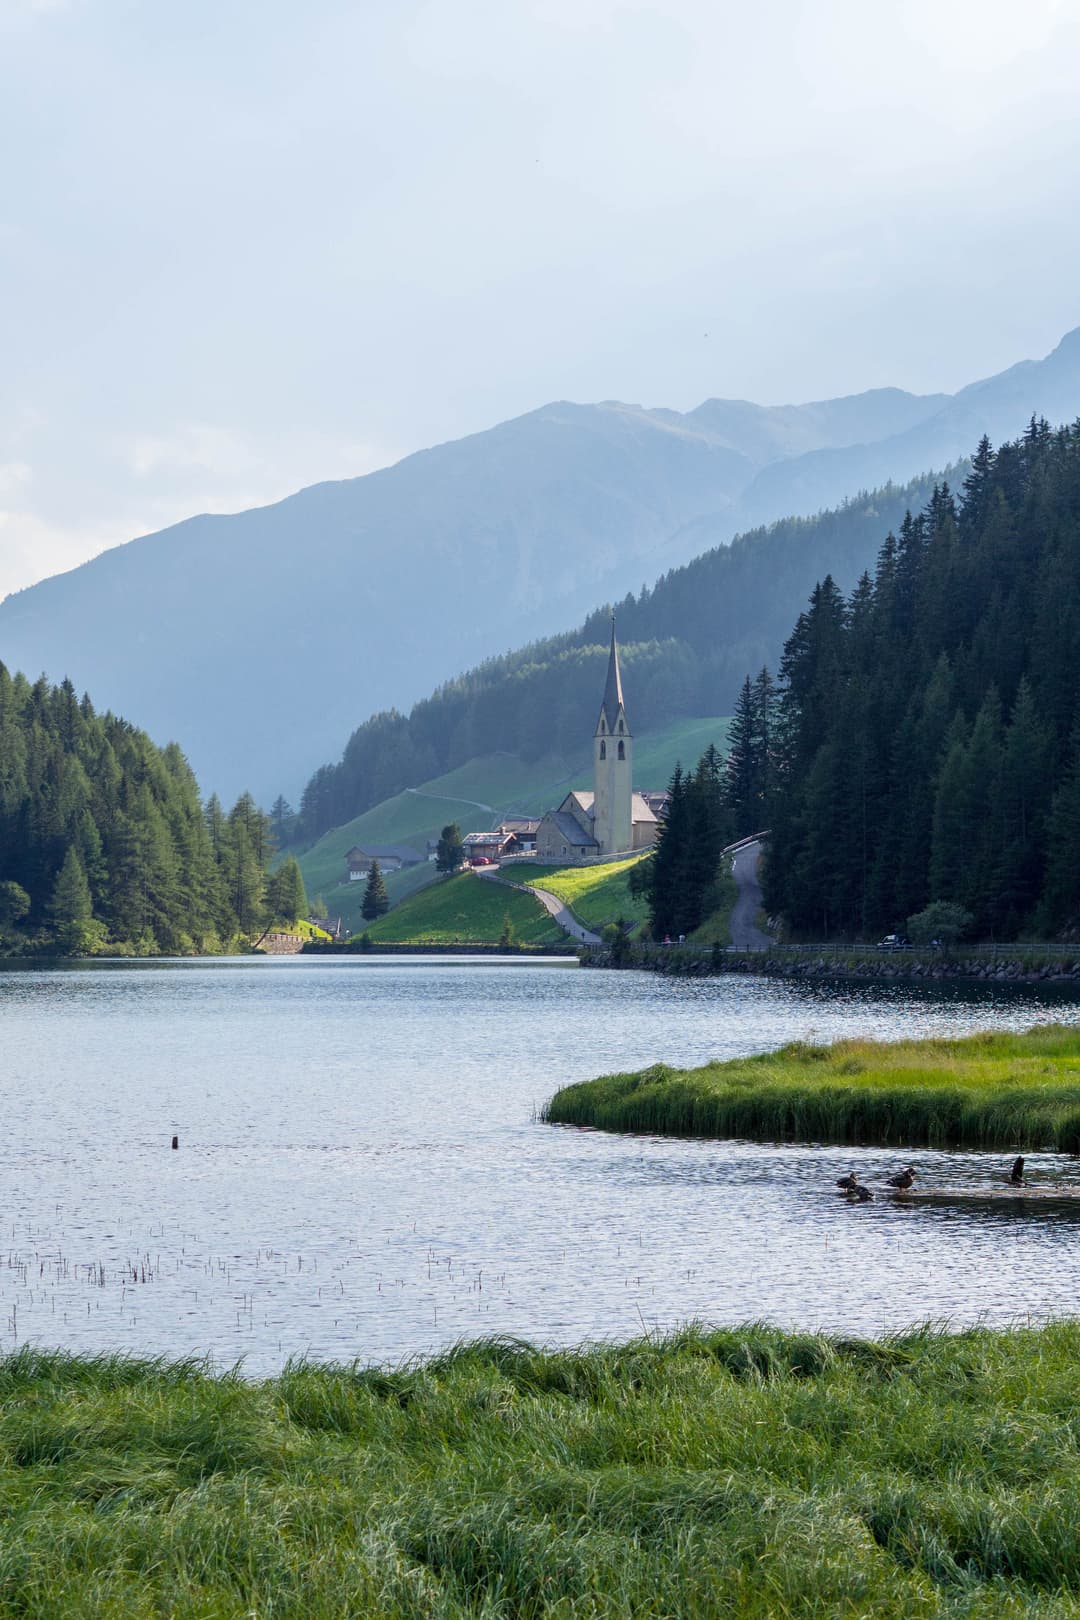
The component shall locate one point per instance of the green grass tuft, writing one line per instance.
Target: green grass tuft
(740, 1472)
(1000, 1090)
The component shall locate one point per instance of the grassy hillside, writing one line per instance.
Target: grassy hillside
(476, 795)
(1006, 1091)
(597, 895)
(737, 1472)
(465, 910)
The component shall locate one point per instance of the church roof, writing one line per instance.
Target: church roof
(640, 808)
(571, 830)
(613, 698)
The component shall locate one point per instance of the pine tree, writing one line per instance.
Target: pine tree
(376, 900)
(742, 765)
(764, 747)
(70, 909)
(1060, 905)
(669, 863)
(286, 899)
(450, 851)
(282, 817)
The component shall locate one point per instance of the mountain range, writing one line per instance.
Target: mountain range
(259, 640)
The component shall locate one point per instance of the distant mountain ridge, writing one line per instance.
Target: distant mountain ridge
(260, 639)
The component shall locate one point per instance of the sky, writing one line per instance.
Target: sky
(248, 246)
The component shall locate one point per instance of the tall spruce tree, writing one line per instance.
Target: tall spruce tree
(70, 908)
(376, 901)
(286, 898)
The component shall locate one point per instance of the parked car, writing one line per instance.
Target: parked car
(894, 942)
(481, 860)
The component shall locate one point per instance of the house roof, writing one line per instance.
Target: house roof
(475, 838)
(613, 698)
(583, 797)
(519, 824)
(570, 829)
(404, 853)
(640, 808)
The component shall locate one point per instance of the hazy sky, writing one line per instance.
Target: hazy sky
(246, 246)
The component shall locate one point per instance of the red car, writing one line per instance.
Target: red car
(481, 860)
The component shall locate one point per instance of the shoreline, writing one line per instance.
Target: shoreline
(1058, 966)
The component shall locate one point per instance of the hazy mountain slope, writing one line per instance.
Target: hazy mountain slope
(261, 638)
(687, 645)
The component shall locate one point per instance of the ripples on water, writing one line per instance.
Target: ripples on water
(360, 1172)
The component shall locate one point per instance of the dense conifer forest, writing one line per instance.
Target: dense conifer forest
(686, 644)
(928, 744)
(105, 844)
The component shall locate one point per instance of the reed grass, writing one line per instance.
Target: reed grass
(744, 1473)
(995, 1090)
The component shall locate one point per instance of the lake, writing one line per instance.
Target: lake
(361, 1173)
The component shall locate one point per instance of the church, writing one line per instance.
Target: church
(612, 819)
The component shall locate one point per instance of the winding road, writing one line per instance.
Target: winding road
(745, 933)
(554, 907)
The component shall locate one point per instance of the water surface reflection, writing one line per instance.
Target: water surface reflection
(361, 1174)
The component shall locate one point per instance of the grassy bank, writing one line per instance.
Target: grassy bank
(997, 1090)
(743, 1473)
(597, 895)
(465, 910)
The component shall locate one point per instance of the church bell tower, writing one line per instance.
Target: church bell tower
(613, 750)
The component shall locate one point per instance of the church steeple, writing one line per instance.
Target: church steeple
(613, 823)
(612, 705)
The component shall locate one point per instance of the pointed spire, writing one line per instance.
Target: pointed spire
(613, 698)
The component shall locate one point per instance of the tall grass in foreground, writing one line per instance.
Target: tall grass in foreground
(997, 1090)
(742, 1473)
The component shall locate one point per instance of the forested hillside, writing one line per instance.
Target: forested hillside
(103, 839)
(686, 645)
(930, 720)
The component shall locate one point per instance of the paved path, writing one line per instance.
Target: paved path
(448, 798)
(553, 906)
(745, 933)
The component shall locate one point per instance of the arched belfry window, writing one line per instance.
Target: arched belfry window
(603, 750)
(603, 725)
(622, 750)
(620, 728)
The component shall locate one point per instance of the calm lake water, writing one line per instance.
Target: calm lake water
(361, 1173)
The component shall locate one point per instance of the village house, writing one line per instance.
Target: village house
(391, 858)
(521, 834)
(485, 846)
(612, 819)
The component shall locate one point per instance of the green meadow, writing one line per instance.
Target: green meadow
(597, 895)
(1001, 1090)
(465, 910)
(743, 1473)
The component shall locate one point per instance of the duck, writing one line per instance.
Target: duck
(904, 1179)
(849, 1183)
(1016, 1174)
(863, 1195)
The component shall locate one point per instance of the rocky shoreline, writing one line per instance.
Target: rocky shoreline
(1030, 968)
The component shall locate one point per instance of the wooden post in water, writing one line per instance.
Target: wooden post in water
(176, 1141)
